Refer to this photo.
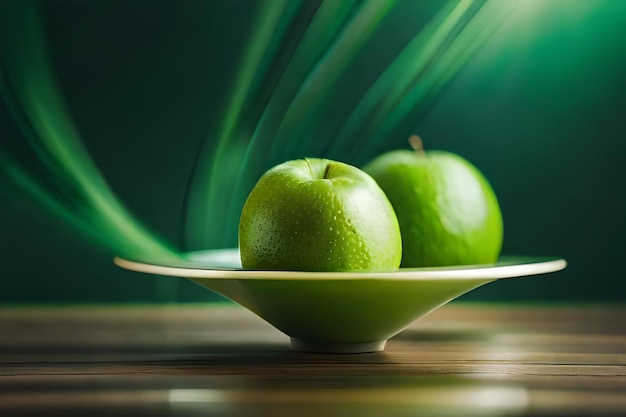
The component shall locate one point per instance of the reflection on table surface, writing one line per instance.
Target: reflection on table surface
(464, 359)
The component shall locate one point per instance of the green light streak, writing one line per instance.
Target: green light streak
(353, 24)
(216, 168)
(310, 82)
(262, 36)
(31, 94)
(320, 33)
(290, 76)
(315, 90)
(406, 71)
(320, 86)
(446, 53)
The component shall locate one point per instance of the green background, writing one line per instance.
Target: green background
(540, 110)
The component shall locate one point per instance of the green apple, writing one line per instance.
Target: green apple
(448, 212)
(318, 215)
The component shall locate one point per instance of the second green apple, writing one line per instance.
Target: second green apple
(447, 211)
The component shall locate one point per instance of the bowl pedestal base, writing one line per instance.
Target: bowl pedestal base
(300, 345)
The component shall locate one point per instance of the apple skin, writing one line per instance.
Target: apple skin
(448, 212)
(318, 215)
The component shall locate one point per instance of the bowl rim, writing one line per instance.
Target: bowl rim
(193, 266)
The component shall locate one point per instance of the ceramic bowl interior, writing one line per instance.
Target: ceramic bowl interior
(339, 312)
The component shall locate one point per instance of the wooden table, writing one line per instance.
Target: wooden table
(464, 359)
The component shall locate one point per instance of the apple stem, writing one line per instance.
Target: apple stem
(416, 143)
(327, 171)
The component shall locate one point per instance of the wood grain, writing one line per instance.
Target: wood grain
(464, 359)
